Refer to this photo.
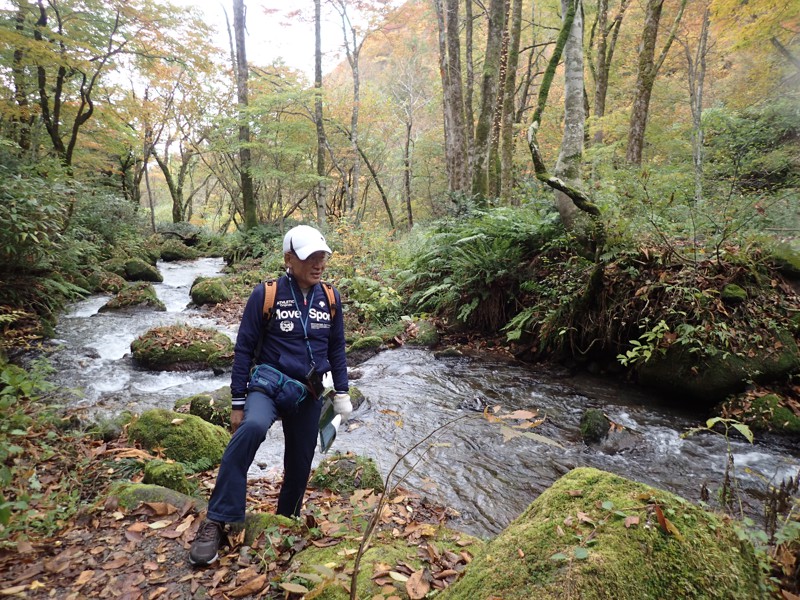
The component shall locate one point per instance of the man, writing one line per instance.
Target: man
(300, 341)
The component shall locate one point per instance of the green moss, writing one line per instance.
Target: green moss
(214, 408)
(426, 334)
(131, 495)
(110, 428)
(384, 549)
(185, 438)
(733, 294)
(140, 294)
(172, 249)
(177, 347)
(133, 269)
(594, 426)
(209, 290)
(770, 412)
(170, 475)
(573, 542)
(365, 343)
(787, 260)
(344, 473)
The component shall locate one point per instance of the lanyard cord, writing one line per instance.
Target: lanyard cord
(304, 323)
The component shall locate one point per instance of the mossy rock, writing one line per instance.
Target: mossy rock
(181, 347)
(134, 269)
(100, 280)
(140, 294)
(170, 475)
(787, 260)
(214, 407)
(708, 380)
(111, 427)
(426, 334)
(132, 495)
(335, 563)
(594, 426)
(366, 343)
(190, 440)
(733, 294)
(209, 290)
(767, 412)
(543, 553)
(172, 250)
(345, 473)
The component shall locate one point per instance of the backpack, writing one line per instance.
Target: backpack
(271, 287)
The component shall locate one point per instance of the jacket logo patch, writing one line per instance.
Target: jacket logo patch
(286, 326)
(318, 315)
(287, 314)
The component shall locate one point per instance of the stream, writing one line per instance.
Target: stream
(483, 469)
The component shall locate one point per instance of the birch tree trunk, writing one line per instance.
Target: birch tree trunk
(697, 76)
(568, 166)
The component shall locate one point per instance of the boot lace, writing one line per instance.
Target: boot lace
(209, 531)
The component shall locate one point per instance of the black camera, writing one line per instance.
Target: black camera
(314, 382)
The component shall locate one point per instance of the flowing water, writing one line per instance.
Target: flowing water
(481, 468)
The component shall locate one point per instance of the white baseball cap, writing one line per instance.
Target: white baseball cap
(304, 240)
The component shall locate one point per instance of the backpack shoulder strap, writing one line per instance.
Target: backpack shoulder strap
(270, 288)
(331, 297)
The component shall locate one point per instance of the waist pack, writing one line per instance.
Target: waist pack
(287, 393)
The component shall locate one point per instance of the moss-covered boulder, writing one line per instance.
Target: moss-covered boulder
(344, 473)
(209, 290)
(594, 426)
(100, 280)
(172, 250)
(422, 333)
(170, 475)
(131, 495)
(708, 380)
(214, 407)
(787, 260)
(764, 412)
(134, 269)
(594, 535)
(184, 438)
(733, 294)
(140, 295)
(181, 347)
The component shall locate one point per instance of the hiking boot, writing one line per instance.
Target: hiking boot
(205, 547)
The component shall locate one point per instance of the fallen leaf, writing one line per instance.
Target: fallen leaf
(84, 577)
(398, 576)
(631, 521)
(160, 524)
(294, 588)
(251, 587)
(520, 414)
(417, 586)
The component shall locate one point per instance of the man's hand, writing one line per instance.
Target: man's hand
(342, 405)
(237, 416)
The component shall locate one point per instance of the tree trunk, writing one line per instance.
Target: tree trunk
(453, 96)
(697, 74)
(321, 191)
(489, 83)
(510, 86)
(23, 118)
(568, 166)
(245, 160)
(605, 47)
(407, 173)
(469, 100)
(646, 76)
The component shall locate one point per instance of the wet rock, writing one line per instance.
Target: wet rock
(209, 290)
(181, 347)
(138, 295)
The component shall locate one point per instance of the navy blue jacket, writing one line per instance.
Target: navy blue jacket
(284, 345)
